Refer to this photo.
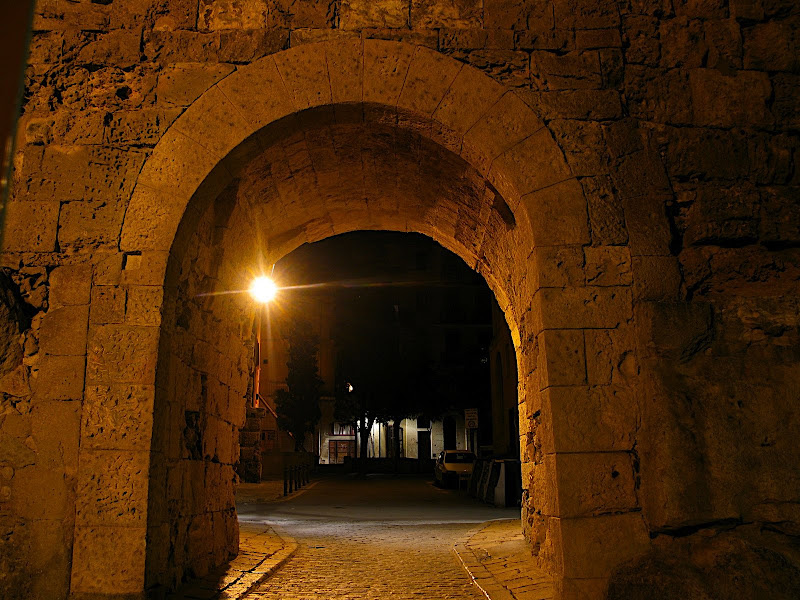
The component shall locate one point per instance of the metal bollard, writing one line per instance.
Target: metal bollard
(285, 481)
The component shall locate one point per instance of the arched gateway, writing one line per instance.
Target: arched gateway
(301, 145)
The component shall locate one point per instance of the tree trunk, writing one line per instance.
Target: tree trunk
(396, 445)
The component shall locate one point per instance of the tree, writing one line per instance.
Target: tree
(298, 406)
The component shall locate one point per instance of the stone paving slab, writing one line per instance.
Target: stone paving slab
(499, 561)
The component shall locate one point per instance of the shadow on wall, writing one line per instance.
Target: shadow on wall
(746, 564)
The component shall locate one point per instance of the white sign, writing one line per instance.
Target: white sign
(471, 418)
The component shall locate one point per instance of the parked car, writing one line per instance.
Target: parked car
(452, 466)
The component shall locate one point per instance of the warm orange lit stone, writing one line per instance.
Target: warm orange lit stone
(645, 264)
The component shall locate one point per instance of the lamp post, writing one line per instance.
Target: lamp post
(262, 290)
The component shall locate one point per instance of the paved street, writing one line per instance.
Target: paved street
(383, 537)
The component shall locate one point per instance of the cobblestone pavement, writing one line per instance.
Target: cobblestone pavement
(370, 540)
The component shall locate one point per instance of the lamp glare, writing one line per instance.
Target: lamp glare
(263, 289)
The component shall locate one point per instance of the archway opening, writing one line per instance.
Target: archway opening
(308, 182)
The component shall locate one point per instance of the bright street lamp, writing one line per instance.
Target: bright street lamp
(263, 289)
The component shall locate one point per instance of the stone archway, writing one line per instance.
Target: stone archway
(508, 204)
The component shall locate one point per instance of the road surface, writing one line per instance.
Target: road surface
(380, 538)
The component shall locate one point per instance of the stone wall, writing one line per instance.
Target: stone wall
(679, 121)
(203, 381)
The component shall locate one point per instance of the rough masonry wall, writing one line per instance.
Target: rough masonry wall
(203, 381)
(691, 111)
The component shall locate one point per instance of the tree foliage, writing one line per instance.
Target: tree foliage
(298, 406)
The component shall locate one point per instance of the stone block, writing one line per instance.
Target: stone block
(70, 285)
(556, 266)
(771, 46)
(354, 14)
(576, 104)
(786, 89)
(562, 357)
(543, 486)
(557, 213)
(178, 166)
(610, 355)
(318, 14)
(721, 215)
(661, 95)
(108, 305)
(30, 226)
(516, 14)
(119, 48)
(779, 222)
(469, 97)
(435, 14)
(108, 268)
(244, 46)
(730, 101)
(582, 589)
(507, 123)
(594, 483)
(231, 14)
(122, 354)
(112, 488)
(118, 417)
(183, 83)
(646, 221)
(596, 419)
(385, 68)
(59, 378)
(108, 558)
(574, 138)
(55, 429)
(511, 68)
(144, 305)
(606, 217)
(89, 225)
(594, 546)
(305, 73)
(656, 278)
(214, 123)
(673, 329)
(429, 76)
(532, 165)
(40, 492)
(63, 331)
(576, 308)
(346, 70)
(573, 71)
(608, 265)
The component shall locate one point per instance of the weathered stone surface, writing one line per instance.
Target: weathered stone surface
(597, 483)
(381, 14)
(59, 378)
(182, 84)
(108, 558)
(691, 198)
(117, 417)
(63, 331)
(121, 354)
(430, 14)
(31, 226)
(734, 564)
